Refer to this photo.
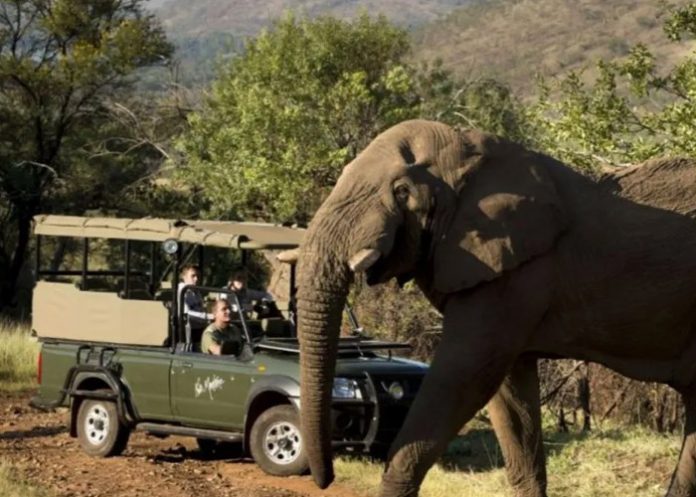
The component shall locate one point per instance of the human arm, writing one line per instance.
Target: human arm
(194, 308)
(259, 295)
(221, 342)
(215, 349)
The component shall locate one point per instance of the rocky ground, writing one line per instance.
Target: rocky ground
(39, 446)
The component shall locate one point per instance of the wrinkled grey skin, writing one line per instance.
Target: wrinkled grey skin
(525, 258)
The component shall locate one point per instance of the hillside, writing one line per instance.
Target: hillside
(184, 18)
(512, 40)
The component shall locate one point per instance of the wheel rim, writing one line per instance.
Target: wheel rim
(97, 424)
(282, 443)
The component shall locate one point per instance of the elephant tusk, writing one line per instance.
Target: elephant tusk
(363, 260)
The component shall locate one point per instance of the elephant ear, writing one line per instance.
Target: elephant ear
(507, 212)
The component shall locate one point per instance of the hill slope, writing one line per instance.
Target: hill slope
(512, 40)
(184, 18)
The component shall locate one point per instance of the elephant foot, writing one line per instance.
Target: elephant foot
(391, 487)
(684, 478)
(530, 488)
(680, 491)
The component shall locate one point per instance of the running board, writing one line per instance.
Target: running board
(164, 429)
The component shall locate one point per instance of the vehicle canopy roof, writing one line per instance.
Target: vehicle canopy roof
(226, 234)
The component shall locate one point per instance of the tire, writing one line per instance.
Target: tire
(99, 430)
(276, 442)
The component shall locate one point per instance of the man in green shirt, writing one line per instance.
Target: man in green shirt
(221, 337)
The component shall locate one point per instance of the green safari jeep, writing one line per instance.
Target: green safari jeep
(118, 350)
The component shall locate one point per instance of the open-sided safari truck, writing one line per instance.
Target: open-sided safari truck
(117, 349)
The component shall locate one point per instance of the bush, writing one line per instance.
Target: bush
(18, 351)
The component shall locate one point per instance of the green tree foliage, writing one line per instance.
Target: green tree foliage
(283, 119)
(59, 60)
(630, 112)
(485, 104)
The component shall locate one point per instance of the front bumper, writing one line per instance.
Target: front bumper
(371, 423)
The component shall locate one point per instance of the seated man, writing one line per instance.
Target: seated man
(221, 337)
(247, 297)
(194, 306)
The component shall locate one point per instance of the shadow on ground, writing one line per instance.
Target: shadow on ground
(477, 450)
(36, 431)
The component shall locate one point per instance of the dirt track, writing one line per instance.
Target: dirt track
(39, 446)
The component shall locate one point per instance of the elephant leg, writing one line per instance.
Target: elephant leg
(684, 478)
(448, 398)
(483, 334)
(516, 415)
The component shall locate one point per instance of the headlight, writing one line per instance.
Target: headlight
(345, 388)
(170, 246)
(396, 390)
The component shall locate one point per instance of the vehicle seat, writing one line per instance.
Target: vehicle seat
(256, 330)
(164, 294)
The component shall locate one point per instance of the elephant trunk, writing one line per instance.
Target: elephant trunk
(322, 290)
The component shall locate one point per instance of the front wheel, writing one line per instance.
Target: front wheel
(276, 442)
(99, 430)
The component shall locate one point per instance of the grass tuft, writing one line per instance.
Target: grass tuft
(608, 462)
(12, 485)
(18, 352)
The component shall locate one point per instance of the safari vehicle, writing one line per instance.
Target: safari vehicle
(118, 351)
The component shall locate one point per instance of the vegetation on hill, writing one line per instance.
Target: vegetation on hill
(513, 40)
(635, 108)
(247, 17)
(304, 99)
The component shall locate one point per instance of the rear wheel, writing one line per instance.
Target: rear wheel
(276, 442)
(99, 430)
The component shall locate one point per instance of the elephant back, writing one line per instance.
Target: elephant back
(668, 184)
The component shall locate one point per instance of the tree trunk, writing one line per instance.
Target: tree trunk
(8, 287)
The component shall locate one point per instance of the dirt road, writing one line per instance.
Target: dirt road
(39, 446)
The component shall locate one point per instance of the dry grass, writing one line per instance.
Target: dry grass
(606, 463)
(515, 39)
(12, 485)
(18, 352)
(248, 17)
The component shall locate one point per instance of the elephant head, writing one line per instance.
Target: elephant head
(422, 200)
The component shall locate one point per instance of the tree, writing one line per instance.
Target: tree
(59, 60)
(283, 118)
(631, 111)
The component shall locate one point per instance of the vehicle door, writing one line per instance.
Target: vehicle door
(209, 390)
(145, 373)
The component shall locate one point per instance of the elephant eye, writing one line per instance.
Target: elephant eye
(402, 193)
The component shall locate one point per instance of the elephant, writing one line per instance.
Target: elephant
(525, 258)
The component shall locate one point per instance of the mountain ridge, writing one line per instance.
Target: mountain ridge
(509, 40)
(248, 17)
